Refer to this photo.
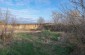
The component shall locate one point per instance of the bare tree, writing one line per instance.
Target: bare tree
(7, 28)
(0, 13)
(56, 16)
(41, 21)
(80, 6)
(57, 20)
(75, 18)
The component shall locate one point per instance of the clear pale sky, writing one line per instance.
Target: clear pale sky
(26, 10)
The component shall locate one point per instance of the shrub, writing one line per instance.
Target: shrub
(52, 35)
(63, 50)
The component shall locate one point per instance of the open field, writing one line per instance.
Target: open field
(42, 43)
(42, 27)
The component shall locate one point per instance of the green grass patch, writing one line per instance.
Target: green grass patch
(52, 35)
(24, 35)
(25, 48)
(36, 47)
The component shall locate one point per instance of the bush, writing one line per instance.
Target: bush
(52, 35)
(63, 50)
(46, 33)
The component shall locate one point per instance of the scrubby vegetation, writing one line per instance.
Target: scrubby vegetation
(43, 43)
